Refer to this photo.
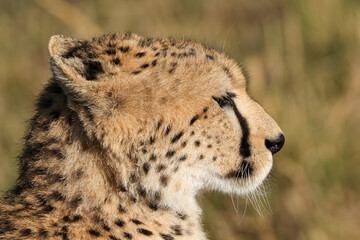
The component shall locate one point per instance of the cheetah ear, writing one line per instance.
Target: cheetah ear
(60, 44)
(68, 73)
(67, 70)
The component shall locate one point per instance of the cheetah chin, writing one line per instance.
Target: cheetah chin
(126, 133)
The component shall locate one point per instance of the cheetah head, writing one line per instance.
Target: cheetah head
(173, 117)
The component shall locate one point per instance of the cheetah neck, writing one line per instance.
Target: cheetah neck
(68, 188)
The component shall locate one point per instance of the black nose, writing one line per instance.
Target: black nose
(275, 145)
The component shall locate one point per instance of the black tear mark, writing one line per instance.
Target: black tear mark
(92, 69)
(228, 101)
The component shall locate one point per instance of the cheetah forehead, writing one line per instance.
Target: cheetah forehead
(147, 76)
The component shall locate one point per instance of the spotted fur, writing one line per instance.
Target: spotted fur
(126, 133)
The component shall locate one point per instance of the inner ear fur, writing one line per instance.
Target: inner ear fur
(60, 44)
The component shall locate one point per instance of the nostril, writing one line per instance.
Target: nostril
(275, 145)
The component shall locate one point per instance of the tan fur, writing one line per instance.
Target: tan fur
(126, 133)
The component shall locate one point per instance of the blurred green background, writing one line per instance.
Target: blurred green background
(303, 57)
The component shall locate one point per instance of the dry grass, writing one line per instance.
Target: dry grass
(303, 56)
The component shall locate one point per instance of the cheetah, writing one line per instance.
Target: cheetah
(126, 133)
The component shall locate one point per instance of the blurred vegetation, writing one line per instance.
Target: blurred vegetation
(304, 60)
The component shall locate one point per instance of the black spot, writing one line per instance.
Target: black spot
(122, 188)
(152, 140)
(170, 153)
(144, 66)
(46, 209)
(145, 42)
(92, 69)
(181, 216)
(173, 54)
(177, 137)
(227, 71)
(140, 54)
(119, 223)
(128, 235)
(157, 54)
(110, 52)
(159, 125)
(68, 219)
(76, 218)
(196, 117)
(157, 196)
(105, 226)
(116, 61)
(164, 180)
(142, 191)
(214, 158)
(167, 131)
(145, 231)
(121, 209)
(112, 237)
(166, 236)
(176, 229)
(152, 157)
(124, 49)
(136, 221)
(173, 67)
(76, 202)
(132, 177)
(183, 144)
(201, 157)
(205, 110)
(160, 167)
(146, 167)
(210, 57)
(197, 143)
(94, 233)
(6, 226)
(153, 205)
(136, 72)
(25, 232)
(43, 232)
(183, 158)
(55, 178)
(209, 146)
(153, 63)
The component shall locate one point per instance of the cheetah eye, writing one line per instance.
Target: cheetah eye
(226, 100)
